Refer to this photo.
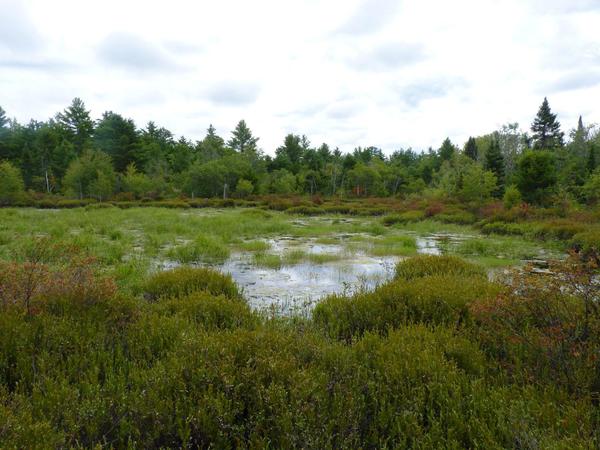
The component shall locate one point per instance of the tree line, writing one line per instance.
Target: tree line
(111, 158)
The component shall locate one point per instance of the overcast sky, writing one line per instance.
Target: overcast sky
(388, 73)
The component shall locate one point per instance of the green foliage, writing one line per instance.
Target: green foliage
(494, 162)
(139, 184)
(546, 129)
(90, 175)
(428, 265)
(430, 299)
(242, 139)
(478, 185)
(12, 186)
(512, 197)
(471, 149)
(536, 176)
(184, 281)
(244, 188)
(204, 248)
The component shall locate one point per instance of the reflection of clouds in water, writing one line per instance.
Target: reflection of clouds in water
(297, 288)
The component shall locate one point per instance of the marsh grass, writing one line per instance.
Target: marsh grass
(204, 248)
(254, 246)
(268, 260)
(149, 235)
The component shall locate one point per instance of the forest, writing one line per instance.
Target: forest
(72, 156)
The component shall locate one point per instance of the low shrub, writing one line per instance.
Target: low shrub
(546, 328)
(403, 218)
(587, 244)
(433, 300)
(503, 228)
(211, 312)
(305, 210)
(458, 217)
(183, 281)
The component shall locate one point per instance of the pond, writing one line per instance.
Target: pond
(339, 268)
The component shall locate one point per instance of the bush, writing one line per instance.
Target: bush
(433, 300)
(458, 217)
(186, 280)
(427, 265)
(12, 188)
(512, 197)
(587, 244)
(546, 328)
(403, 218)
(210, 311)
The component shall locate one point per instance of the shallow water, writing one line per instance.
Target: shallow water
(295, 288)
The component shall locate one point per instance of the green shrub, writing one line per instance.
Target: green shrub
(210, 311)
(183, 281)
(458, 217)
(511, 229)
(587, 243)
(430, 300)
(305, 210)
(427, 265)
(403, 218)
(512, 197)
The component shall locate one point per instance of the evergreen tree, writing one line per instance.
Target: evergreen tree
(494, 162)
(536, 176)
(591, 162)
(471, 149)
(212, 146)
(578, 145)
(447, 150)
(3, 118)
(242, 139)
(117, 137)
(76, 122)
(546, 129)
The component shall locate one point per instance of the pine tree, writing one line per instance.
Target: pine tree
(447, 150)
(579, 143)
(242, 139)
(76, 121)
(3, 118)
(494, 162)
(471, 149)
(546, 129)
(591, 162)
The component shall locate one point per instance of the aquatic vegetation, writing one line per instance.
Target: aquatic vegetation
(203, 248)
(428, 265)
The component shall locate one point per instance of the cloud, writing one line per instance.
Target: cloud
(573, 81)
(565, 6)
(233, 93)
(18, 33)
(343, 110)
(390, 55)
(414, 93)
(128, 51)
(43, 64)
(370, 16)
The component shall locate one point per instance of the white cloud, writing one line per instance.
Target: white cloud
(389, 73)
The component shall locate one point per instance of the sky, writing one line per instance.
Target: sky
(386, 73)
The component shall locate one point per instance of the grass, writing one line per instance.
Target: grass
(269, 260)
(129, 242)
(254, 246)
